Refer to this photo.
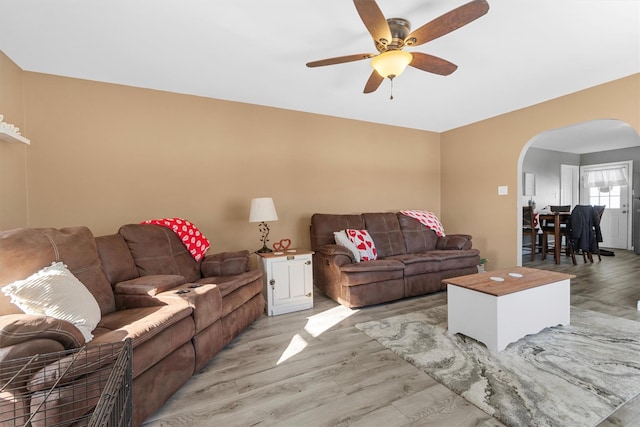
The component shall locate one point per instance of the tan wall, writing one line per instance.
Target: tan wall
(13, 175)
(104, 155)
(478, 158)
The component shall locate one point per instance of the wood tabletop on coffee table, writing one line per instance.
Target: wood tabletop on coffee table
(531, 278)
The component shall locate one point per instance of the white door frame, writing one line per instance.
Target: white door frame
(569, 185)
(629, 208)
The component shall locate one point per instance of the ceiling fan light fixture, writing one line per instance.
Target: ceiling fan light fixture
(392, 63)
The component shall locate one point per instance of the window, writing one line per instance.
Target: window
(606, 177)
(607, 196)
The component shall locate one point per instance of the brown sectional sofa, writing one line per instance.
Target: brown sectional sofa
(134, 276)
(412, 259)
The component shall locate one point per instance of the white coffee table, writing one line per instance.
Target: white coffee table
(499, 312)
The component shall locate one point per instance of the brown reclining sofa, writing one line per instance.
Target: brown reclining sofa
(134, 276)
(412, 259)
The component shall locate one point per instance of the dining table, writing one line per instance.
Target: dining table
(558, 218)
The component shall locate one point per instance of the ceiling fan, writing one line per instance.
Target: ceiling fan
(391, 35)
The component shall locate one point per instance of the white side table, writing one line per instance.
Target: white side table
(288, 280)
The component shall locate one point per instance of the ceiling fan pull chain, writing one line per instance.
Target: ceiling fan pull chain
(391, 97)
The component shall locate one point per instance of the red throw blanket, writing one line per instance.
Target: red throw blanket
(188, 233)
(428, 219)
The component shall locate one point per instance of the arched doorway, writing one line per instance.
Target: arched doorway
(589, 142)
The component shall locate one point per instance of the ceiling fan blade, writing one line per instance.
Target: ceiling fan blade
(373, 83)
(374, 20)
(448, 22)
(432, 64)
(340, 60)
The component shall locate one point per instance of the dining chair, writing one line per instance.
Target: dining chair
(585, 232)
(548, 226)
(548, 229)
(599, 211)
(529, 229)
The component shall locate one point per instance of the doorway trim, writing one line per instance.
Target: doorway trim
(520, 186)
(569, 184)
(629, 165)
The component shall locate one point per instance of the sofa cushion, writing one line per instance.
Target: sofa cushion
(27, 250)
(238, 298)
(417, 237)
(189, 235)
(140, 324)
(158, 250)
(225, 263)
(371, 272)
(385, 231)
(454, 259)
(149, 285)
(364, 244)
(54, 291)
(324, 225)
(428, 219)
(116, 259)
(419, 263)
(228, 284)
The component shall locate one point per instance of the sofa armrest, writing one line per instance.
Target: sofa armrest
(225, 264)
(28, 336)
(23, 328)
(336, 251)
(454, 241)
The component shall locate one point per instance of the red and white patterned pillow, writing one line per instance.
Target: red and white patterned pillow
(428, 219)
(342, 239)
(195, 242)
(364, 243)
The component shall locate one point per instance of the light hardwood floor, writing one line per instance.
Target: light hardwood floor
(314, 368)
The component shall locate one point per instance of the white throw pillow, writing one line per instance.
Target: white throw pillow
(54, 291)
(343, 240)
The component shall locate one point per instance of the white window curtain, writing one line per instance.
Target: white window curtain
(606, 177)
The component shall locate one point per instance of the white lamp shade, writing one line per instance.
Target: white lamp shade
(391, 63)
(262, 209)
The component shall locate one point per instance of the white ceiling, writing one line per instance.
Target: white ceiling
(522, 52)
(589, 137)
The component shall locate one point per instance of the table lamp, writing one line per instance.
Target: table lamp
(263, 210)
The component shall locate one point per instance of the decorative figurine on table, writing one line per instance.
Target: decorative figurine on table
(282, 245)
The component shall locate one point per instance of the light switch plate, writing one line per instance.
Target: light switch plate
(503, 190)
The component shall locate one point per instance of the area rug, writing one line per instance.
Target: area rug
(574, 375)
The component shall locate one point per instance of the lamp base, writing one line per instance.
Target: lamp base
(263, 250)
(264, 229)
